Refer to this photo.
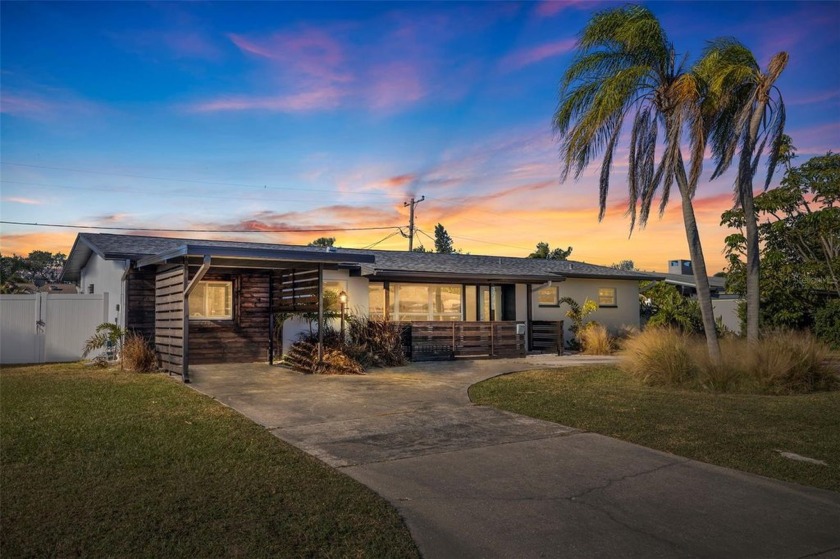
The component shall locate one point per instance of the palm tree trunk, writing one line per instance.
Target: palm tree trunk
(698, 264)
(745, 194)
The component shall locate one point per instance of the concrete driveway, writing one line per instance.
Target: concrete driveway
(473, 481)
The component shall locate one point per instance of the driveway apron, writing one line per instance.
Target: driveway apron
(473, 481)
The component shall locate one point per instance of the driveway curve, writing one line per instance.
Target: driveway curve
(473, 481)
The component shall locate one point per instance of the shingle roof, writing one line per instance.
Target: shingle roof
(133, 247)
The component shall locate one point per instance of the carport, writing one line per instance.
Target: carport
(251, 285)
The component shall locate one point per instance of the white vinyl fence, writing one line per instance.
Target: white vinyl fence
(48, 327)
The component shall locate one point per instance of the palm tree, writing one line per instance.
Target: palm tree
(626, 68)
(744, 107)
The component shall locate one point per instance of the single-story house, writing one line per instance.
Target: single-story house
(208, 301)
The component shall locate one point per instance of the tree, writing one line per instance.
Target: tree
(624, 265)
(420, 248)
(664, 305)
(627, 68)
(323, 242)
(12, 272)
(799, 230)
(45, 266)
(443, 242)
(742, 109)
(545, 252)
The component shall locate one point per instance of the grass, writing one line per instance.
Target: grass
(741, 431)
(96, 462)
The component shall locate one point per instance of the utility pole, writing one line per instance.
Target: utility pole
(411, 205)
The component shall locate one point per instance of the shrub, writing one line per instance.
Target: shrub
(595, 339)
(827, 323)
(660, 356)
(303, 357)
(375, 343)
(137, 354)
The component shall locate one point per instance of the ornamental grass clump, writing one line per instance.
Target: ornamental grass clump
(788, 362)
(660, 356)
(781, 362)
(137, 354)
(596, 340)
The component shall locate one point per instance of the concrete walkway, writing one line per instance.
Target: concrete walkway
(472, 481)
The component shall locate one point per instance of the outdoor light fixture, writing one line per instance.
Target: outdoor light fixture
(342, 298)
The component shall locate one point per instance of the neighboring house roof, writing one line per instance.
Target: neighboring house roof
(686, 280)
(386, 263)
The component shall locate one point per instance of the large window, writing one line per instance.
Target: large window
(415, 301)
(212, 300)
(606, 297)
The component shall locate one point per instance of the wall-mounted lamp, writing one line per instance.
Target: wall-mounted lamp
(342, 298)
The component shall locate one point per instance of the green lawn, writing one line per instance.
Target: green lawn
(738, 431)
(106, 463)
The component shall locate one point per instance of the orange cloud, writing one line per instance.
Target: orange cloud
(24, 243)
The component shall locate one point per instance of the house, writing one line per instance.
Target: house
(724, 305)
(206, 301)
(681, 274)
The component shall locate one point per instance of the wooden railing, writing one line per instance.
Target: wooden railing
(547, 336)
(449, 340)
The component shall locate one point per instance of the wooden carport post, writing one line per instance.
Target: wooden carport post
(189, 286)
(320, 313)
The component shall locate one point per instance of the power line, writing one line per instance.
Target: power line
(160, 229)
(381, 240)
(194, 181)
(150, 193)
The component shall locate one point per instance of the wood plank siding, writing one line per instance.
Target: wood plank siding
(140, 302)
(436, 340)
(246, 337)
(170, 336)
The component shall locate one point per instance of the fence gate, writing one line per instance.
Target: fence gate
(48, 327)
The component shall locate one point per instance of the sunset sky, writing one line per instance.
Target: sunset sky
(320, 115)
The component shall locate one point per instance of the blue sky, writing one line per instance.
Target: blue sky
(283, 115)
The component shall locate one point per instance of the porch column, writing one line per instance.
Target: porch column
(529, 317)
(320, 313)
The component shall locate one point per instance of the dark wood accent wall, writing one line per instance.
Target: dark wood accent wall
(439, 339)
(297, 290)
(140, 302)
(246, 337)
(170, 336)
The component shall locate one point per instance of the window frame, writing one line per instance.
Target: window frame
(204, 318)
(614, 297)
(555, 300)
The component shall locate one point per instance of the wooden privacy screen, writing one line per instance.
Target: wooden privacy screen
(169, 319)
(547, 336)
(298, 291)
(436, 340)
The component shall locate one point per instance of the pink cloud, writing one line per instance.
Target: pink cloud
(327, 98)
(24, 106)
(17, 200)
(311, 52)
(817, 97)
(395, 84)
(525, 57)
(550, 8)
(33, 105)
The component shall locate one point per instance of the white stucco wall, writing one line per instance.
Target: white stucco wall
(625, 314)
(727, 310)
(357, 304)
(106, 277)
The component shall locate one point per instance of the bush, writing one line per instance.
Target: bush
(375, 343)
(660, 356)
(303, 357)
(782, 362)
(827, 324)
(595, 339)
(137, 354)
